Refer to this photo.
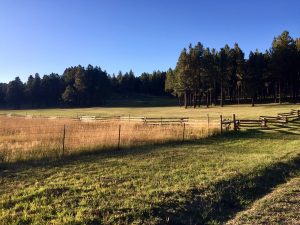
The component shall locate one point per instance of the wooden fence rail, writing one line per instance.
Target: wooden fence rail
(263, 121)
(145, 120)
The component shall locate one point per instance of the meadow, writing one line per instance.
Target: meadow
(53, 133)
(242, 111)
(200, 181)
(23, 139)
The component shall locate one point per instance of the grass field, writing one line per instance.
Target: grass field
(281, 206)
(203, 181)
(198, 182)
(242, 111)
(23, 139)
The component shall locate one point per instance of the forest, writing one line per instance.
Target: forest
(79, 87)
(223, 76)
(201, 76)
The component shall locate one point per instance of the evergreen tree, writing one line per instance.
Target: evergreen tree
(69, 96)
(223, 71)
(254, 75)
(52, 87)
(183, 76)
(236, 67)
(15, 93)
(3, 90)
(283, 64)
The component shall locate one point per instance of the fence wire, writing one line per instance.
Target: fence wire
(20, 139)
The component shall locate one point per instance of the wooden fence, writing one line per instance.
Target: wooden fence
(204, 120)
(145, 120)
(263, 121)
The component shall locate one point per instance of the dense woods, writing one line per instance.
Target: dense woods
(215, 77)
(79, 86)
(201, 76)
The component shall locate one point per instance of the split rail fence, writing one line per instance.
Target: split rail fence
(263, 121)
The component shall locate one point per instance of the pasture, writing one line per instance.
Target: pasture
(242, 111)
(199, 181)
(23, 139)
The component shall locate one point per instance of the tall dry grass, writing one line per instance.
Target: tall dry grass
(24, 139)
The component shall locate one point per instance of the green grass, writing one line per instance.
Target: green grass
(241, 111)
(199, 182)
(281, 206)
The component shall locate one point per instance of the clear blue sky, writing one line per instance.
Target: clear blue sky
(47, 36)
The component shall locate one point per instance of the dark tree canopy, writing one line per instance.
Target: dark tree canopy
(202, 76)
(225, 75)
(15, 92)
(79, 87)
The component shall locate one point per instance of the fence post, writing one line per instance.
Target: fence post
(63, 141)
(264, 122)
(119, 139)
(221, 124)
(183, 132)
(208, 122)
(234, 122)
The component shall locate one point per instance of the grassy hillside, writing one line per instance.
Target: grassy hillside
(196, 182)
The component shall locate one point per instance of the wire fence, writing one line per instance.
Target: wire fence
(22, 139)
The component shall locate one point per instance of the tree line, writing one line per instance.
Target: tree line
(215, 77)
(201, 76)
(79, 86)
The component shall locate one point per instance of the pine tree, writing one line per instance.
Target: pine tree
(223, 64)
(15, 93)
(283, 48)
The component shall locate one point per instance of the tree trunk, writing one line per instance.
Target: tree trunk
(238, 95)
(199, 99)
(275, 94)
(221, 102)
(279, 90)
(207, 100)
(185, 100)
(210, 100)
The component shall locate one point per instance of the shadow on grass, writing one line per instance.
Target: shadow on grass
(85, 155)
(219, 202)
(145, 148)
(142, 148)
(214, 204)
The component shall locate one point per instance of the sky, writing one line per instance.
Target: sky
(45, 36)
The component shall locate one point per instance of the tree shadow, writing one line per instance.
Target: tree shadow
(145, 148)
(222, 200)
(217, 202)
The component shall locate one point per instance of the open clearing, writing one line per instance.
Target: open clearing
(196, 182)
(242, 111)
(23, 139)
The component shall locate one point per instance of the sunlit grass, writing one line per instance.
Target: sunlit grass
(197, 182)
(24, 139)
(281, 206)
(179, 183)
(241, 111)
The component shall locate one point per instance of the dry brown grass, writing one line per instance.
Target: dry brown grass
(34, 138)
